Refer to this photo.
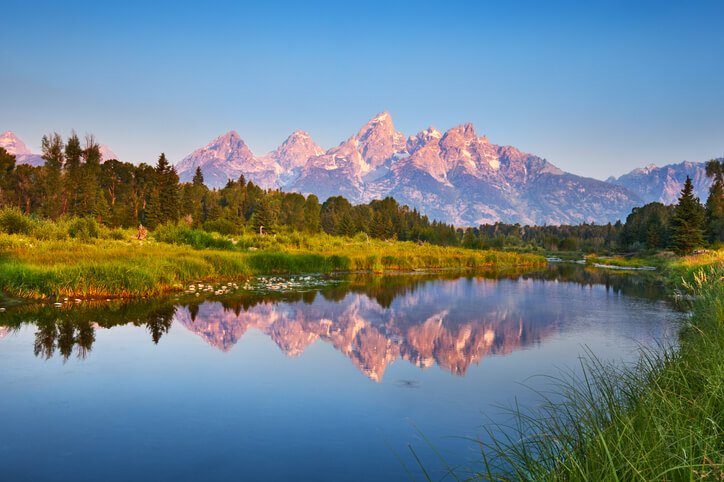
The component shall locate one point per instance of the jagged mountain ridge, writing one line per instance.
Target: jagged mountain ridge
(13, 145)
(227, 157)
(456, 176)
(664, 184)
(372, 336)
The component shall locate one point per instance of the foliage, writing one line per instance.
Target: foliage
(13, 221)
(616, 261)
(83, 228)
(714, 216)
(85, 266)
(74, 182)
(687, 221)
(173, 233)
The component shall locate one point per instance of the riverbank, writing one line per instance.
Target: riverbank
(35, 268)
(660, 420)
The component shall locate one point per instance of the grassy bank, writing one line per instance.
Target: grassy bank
(617, 261)
(50, 263)
(662, 420)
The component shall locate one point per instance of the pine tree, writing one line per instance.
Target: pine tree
(687, 221)
(377, 227)
(170, 195)
(52, 186)
(91, 198)
(152, 214)
(345, 226)
(263, 219)
(198, 179)
(7, 178)
(311, 214)
(163, 196)
(71, 178)
(715, 202)
(469, 239)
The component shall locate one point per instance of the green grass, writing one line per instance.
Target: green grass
(109, 263)
(616, 261)
(660, 420)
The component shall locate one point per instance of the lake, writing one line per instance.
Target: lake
(330, 382)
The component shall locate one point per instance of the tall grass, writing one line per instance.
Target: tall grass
(660, 420)
(616, 261)
(78, 258)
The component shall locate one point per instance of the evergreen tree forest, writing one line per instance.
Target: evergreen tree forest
(74, 182)
(683, 227)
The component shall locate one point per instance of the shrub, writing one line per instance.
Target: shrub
(176, 234)
(13, 221)
(118, 234)
(220, 226)
(84, 229)
(360, 237)
(49, 230)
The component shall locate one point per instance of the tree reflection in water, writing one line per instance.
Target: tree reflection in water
(360, 317)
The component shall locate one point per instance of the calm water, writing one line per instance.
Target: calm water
(314, 385)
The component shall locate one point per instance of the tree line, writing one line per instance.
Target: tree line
(682, 227)
(73, 181)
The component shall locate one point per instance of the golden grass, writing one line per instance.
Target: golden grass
(35, 268)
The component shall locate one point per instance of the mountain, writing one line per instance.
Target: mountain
(227, 157)
(459, 178)
(664, 184)
(456, 177)
(423, 328)
(347, 169)
(13, 145)
(465, 180)
(107, 154)
(291, 156)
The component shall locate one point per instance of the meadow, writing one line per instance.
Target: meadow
(79, 258)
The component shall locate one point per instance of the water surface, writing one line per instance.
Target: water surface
(324, 384)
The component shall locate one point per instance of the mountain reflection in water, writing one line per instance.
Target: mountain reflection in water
(448, 320)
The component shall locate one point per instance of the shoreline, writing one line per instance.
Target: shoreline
(663, 418)
(51, 270)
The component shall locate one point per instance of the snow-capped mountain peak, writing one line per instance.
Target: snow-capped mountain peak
(12, 144)
(456, 176)
(107, 154)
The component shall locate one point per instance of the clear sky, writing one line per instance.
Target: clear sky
(597, 88)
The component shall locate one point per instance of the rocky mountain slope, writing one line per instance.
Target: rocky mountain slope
(372, 336)
(13, 145)
(107, 154)
(663, 184)
(227, 157)
(456, 176)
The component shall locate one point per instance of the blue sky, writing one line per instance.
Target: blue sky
(597, 88)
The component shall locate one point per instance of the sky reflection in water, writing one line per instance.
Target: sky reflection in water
(300, 385)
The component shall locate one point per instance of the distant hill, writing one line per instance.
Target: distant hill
(664, 184)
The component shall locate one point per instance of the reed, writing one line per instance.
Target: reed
(616, 261)
(78, 259)
(662, 419)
